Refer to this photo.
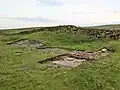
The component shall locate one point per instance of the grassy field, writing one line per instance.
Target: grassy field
(19, 69)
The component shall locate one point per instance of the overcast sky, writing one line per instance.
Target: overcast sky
(29, 13)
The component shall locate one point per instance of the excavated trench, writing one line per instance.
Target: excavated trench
(27, 43)
(70, 59)
(35, 44)
(73, 59)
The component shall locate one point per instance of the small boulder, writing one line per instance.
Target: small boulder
(104, 50)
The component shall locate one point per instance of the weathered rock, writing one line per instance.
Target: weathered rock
(104, 50)
(85, 55)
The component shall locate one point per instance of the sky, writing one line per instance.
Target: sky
(35, 13)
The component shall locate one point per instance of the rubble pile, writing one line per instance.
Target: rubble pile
(74, 59)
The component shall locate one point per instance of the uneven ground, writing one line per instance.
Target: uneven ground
(20, 70)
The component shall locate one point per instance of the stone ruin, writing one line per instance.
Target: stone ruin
(74, 59)
(27, 43)
(70, 59)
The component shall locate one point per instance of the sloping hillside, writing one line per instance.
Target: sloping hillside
(21, 50)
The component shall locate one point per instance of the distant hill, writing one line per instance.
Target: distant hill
(110, 26)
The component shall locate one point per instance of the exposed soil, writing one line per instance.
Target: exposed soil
(73, 59)
(35, 44)
(27, 43)
(68, 62)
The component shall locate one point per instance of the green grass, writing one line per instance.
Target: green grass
(20, 71)
(69, 40)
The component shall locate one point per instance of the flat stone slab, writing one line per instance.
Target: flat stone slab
(68, 62)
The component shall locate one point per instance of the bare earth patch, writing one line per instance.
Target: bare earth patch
(27, 43)
(73, 59)
(68, 62)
